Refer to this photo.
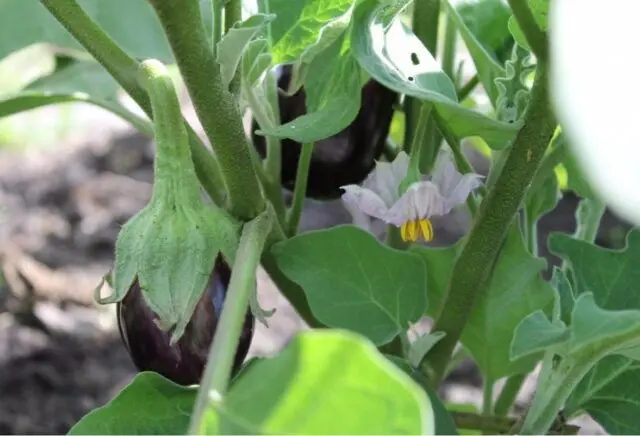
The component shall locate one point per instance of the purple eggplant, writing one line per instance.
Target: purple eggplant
(344, 158)
(184, 362)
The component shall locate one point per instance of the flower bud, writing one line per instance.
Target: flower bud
(342, 159)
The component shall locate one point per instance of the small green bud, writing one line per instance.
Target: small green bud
(171, 245)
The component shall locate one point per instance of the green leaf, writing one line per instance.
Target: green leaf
(565, 295)
(150, 404)
(255, 61)
(324, 382)
(396, 58)
(609, 393)
(487, 66)
(352, 281)
(421, 346)
(332, 89)
(612, 275)
(302, 25)
(234, 43)
(535, 334)
(443, 420)
(515, 290)
(543, 199)
(132, 24)
(540, 11)
(487, 20)
(86, 76)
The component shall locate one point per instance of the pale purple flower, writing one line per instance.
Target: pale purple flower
(434, 195)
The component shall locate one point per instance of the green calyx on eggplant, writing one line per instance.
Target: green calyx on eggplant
(342, 159)
(183, 362)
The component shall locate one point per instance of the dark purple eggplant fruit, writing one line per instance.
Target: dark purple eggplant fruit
(184, 362)
(345, 158)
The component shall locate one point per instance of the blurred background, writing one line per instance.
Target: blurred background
(70, 176)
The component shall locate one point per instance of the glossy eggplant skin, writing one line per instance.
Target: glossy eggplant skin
(344, 158)
(184, 362)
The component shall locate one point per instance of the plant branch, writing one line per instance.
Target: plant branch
(233, 14)
(536, 38)
(300, 190)
(426, 18)
(508, 394)
(217, 10)
(475, 262)
(588, 217)
(217, 108)
(225, 342)
(124, 70)
(466, 89)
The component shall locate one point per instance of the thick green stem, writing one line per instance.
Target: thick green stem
(217, 108)
(273, 163)
(536, 38)
(426, 17)
(300, 190)
(474, 264)
(124, 70)
(508, 394)
(225, 342)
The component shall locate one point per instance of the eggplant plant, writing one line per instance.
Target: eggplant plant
(326, 83)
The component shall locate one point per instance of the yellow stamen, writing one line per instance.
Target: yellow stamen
(411, 231)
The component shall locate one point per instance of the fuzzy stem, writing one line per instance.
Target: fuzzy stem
(124, 70)
(174, 177)
(216, 107)
(225, 342)
(300, 190)
(474, 264)
(449, 50)
(536, 38)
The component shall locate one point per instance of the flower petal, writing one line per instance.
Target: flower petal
(386, 177)
(358, 217)
(365, 200)
(422, 200)
(453, 185)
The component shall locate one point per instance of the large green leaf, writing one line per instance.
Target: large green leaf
(603, 332)
(610, 394)
(150, 404)
(324, 382)
(515, 290)
(132, 24)
(540, 11)
(395, 57)
(612, 275)
(305, 27)
(353, 281)
(487, 66)
(487, 20)
(332, 89)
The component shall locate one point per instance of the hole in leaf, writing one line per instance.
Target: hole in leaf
(414, 59)
(411, 78)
